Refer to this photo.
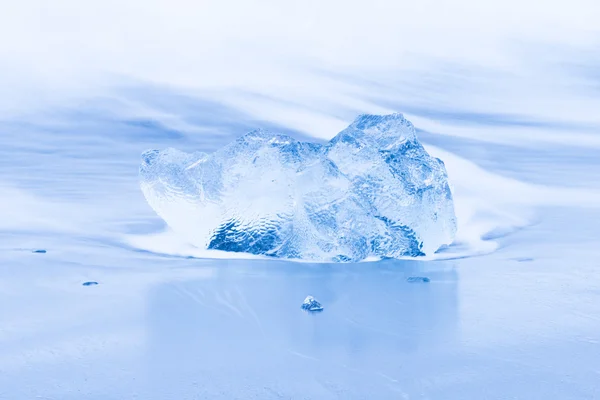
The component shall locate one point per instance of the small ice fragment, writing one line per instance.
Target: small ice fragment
(418, 279)
(40, 251)
(89, 283)
(311, 304)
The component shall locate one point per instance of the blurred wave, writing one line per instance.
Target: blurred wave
(74, 168)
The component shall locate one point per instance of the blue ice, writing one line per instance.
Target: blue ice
(413, 279)
(372, 191)
(311, 304)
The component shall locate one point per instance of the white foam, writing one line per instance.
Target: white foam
(168, 243)
(486, 202)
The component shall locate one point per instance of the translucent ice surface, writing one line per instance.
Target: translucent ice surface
(311, 304)
(372, 191)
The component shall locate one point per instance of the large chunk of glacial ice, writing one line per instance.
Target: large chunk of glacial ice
(371, 191)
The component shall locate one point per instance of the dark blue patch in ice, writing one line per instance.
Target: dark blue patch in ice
(413, 279)
(39, 251)
(91, 283)
(341, 258)
(312, 305)
(231, 237)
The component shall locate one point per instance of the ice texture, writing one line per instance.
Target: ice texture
(311, 304)
(372, 191)
(413, 279)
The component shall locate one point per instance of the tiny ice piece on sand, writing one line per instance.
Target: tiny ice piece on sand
(311, 304)
(418, 279)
